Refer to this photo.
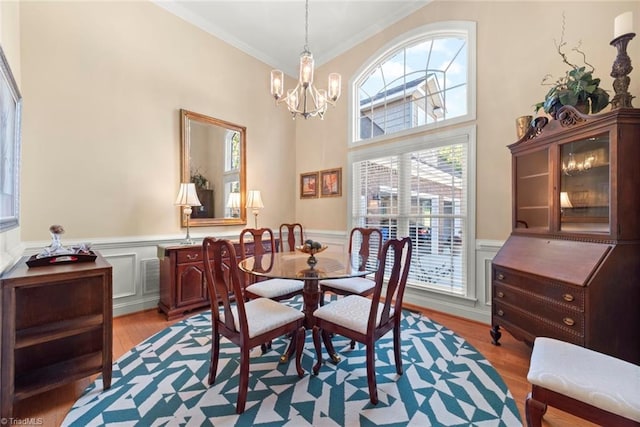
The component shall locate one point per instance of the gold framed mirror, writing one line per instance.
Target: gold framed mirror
(213, 158)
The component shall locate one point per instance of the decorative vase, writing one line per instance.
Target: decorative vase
(522, 125)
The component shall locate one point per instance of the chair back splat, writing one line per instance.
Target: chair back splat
(399, 251)
(295, 236)
(370, 244)
(223, 283)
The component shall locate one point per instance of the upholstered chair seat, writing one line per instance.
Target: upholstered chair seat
(351, 285)
(263, 315)
(352, 312)
(275, 288)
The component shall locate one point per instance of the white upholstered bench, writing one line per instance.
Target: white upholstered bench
(583, 382)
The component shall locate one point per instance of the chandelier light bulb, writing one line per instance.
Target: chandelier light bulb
(306, 69)
(335, 81)
(277, 79)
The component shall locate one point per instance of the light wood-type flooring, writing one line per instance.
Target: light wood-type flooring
(511, 360)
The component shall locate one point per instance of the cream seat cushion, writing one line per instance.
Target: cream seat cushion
(586, 375)
(274, 288)
(351, 312)
(264, 315)
(354, 285)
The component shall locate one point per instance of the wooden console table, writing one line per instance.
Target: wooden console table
(56, 327)
(182, 285)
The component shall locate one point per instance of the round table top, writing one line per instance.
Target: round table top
(293, 265)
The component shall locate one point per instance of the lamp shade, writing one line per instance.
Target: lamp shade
(254, 200)
(564, 200)
(187, 195)
(234, 200)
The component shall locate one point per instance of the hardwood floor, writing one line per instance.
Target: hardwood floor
(511, 360)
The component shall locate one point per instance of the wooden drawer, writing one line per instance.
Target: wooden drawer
(562, 315)
(531, 325)
(189, 255)
(559, 292)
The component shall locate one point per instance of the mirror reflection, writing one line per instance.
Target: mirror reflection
(213, 158)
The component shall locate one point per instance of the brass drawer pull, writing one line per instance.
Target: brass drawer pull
(567, 297)
(500, 276)
(192, 256)
(569, 321)
(500, 294)
(500, 313)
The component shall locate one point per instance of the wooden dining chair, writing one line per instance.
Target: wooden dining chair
(366, 320)
(247, 324)
(368, 243)
(275, 289)
(295, 236)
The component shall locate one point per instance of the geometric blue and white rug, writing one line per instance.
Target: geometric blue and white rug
(163, 382)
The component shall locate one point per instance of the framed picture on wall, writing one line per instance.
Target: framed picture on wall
(309, 185)
(331, 183)
(10, 109)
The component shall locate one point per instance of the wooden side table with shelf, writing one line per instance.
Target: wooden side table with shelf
(56, 327)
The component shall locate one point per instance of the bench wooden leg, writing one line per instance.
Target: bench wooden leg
(534, 410)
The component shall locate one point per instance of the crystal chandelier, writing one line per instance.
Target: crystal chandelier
(305, 99)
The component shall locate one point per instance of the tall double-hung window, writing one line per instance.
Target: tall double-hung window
(411, 156)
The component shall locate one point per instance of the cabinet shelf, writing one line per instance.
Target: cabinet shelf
(535, 175)
(51, 376)
(57, 330)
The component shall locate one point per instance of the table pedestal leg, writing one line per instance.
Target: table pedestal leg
(311, 297)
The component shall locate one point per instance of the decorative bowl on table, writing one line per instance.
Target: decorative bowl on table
(310, 247)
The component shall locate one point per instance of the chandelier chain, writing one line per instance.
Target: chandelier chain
(306, 26)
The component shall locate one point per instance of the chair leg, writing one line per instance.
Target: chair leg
(321, 297)
(352, 344)
(243, 386)
(299, 340)
(318, 346)
(215, 353)
(396, 348)
(371, 373)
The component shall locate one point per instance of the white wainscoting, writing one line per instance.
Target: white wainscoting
(136, 275)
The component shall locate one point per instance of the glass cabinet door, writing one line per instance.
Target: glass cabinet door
(584, 185)
(532, 191)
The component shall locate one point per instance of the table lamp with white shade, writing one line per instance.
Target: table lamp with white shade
(233, 203)
(187, 197)
(565, 203)
(254, 202)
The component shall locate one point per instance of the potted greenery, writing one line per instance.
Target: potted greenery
(199, 179)
(577, 87)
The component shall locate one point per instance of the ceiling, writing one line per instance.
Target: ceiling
(273, 31)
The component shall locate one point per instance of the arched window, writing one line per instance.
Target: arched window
(415, 180)
(425, 78)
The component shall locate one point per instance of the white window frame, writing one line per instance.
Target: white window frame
(465, 29)
(443, 133)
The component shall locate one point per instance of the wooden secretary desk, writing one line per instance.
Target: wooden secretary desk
(570, 269)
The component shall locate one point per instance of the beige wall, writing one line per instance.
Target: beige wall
(103, 83)
(515, 49)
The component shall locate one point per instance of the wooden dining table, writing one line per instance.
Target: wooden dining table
(295, 265)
